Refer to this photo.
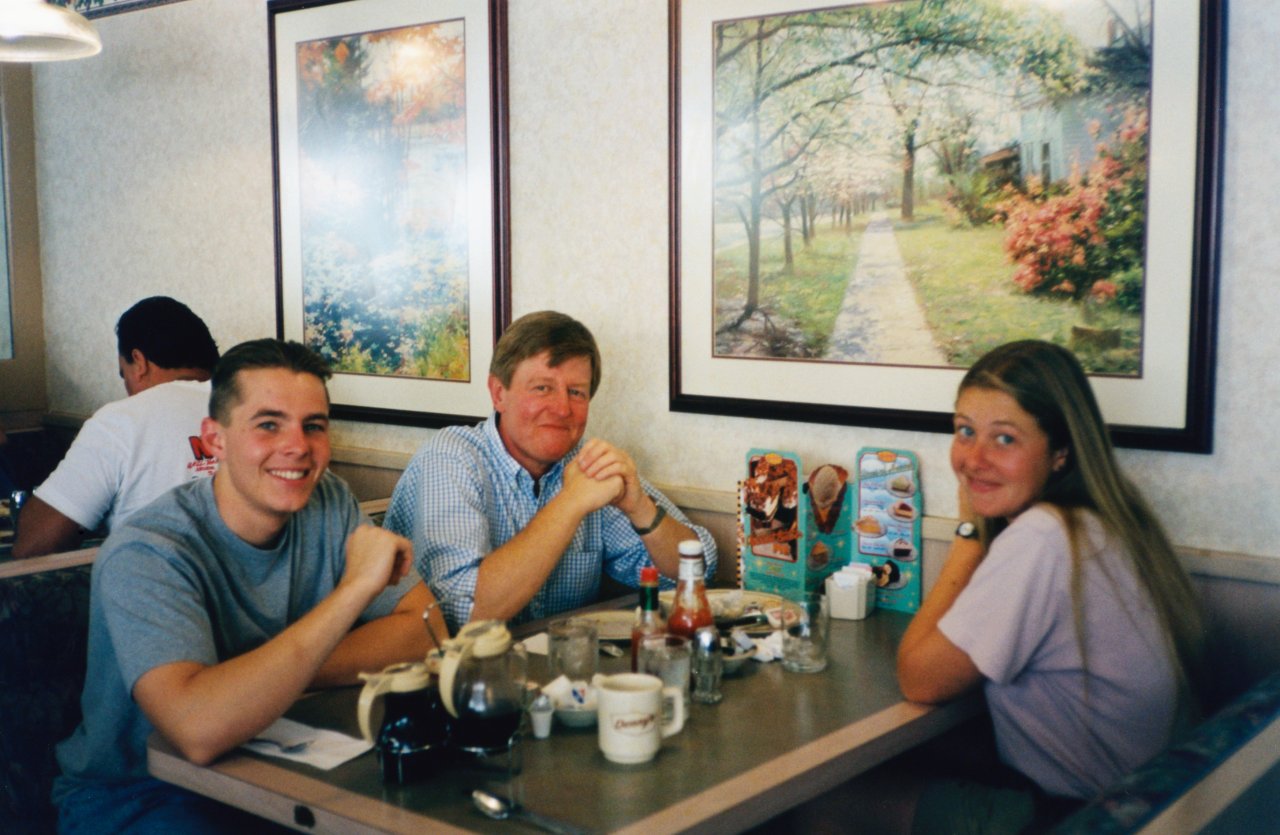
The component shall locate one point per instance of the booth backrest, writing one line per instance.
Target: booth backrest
(44, 626)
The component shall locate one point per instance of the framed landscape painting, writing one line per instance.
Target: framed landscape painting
(389, 118)
(869, 196)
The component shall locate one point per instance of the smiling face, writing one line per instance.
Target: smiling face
(999, 453)
(544, 410)
(271, 451)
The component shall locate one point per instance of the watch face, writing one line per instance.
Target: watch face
(967, 530)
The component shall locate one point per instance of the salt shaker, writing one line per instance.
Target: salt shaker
(708, 664)
(540, 712)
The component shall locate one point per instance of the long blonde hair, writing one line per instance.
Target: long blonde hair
(1048, 383)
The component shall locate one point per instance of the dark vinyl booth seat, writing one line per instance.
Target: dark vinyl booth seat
(44, 627)
(1140, 797)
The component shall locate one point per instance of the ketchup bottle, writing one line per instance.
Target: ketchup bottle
(691, 611)
(648, 617)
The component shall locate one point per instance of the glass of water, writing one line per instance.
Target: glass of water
(806, 622)
(669, 657)
(572, 649)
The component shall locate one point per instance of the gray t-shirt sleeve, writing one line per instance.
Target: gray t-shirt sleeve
(154, 611)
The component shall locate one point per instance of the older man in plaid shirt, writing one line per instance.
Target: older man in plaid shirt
(516, 517)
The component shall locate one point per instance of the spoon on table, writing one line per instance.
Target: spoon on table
(500, 809)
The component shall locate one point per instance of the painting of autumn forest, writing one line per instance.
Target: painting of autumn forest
(383, 215)
(914, 183)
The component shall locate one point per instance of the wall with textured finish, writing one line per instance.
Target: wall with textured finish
(154, 161)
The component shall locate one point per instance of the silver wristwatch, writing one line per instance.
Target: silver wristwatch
(967, 530)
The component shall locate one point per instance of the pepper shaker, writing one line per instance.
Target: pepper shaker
(708, 664)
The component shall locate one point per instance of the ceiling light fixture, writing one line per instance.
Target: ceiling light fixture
(33, 30)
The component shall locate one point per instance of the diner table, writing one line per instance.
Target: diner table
(776, 740)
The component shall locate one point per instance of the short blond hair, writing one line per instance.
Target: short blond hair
(563, 337)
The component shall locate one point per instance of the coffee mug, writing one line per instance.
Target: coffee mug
(630, 716)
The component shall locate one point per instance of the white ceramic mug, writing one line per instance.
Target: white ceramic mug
(630, 711)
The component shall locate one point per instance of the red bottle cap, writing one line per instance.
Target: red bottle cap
(649, 574)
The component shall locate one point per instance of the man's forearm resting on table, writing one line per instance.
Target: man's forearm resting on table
(399, 636)
(208, 710)
(663, 542)
(511, 575)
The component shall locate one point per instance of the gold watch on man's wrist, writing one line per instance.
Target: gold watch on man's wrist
(967, 530)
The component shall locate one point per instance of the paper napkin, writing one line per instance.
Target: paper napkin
(323, 749)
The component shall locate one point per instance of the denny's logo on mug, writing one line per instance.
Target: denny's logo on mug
(631, 709)
(634, 724)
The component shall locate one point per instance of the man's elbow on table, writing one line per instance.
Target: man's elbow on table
(197, 734)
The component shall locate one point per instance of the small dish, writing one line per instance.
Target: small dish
(579, 716)
(733, 662)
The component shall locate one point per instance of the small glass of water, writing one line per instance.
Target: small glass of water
(668, 657)
(806, 622)
(573, 649)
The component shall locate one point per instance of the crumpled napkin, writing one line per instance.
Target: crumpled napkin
(770, 648)
(324, 749)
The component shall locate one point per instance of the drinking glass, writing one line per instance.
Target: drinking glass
(573, 650)
(806, 622)
(669, 658)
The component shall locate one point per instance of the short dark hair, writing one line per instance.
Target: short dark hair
(563, 336)
(259, 354)
(167, 333)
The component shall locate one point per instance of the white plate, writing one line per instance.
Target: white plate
(611, 624)
(729, 604)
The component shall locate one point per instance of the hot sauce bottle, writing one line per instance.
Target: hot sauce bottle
(691, 611)
(648, 617)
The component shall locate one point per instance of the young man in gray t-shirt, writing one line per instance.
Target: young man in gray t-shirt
(216, 606)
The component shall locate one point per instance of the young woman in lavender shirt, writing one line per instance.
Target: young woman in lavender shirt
(1061, 597)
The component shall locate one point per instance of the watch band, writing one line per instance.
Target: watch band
(967, 530)
(653, 526)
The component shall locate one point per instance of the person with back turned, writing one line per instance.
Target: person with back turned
(132, 450)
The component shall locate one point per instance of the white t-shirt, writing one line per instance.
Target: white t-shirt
(129, 453)
(1072, 734)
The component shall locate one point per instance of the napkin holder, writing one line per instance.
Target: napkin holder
(851, 592)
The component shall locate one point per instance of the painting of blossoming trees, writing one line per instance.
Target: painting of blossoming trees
(914, 183)
(382, 206)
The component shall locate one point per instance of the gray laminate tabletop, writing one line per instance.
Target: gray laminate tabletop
(776, 740)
